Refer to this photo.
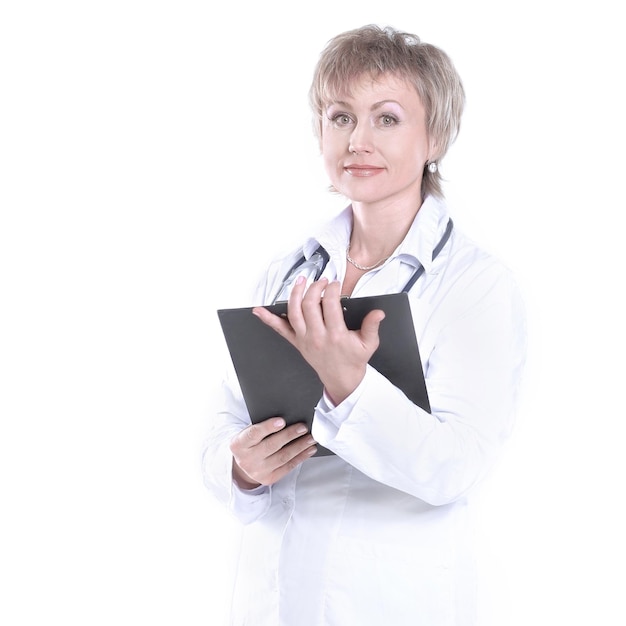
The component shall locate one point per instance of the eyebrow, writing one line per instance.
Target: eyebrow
(376, 105)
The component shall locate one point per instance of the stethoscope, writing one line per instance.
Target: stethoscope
(313, 267)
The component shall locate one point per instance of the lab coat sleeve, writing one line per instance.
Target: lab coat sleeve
(472, 376)
(217, 459)
(231, 418)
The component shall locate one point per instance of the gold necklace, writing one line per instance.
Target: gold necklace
(363, 268)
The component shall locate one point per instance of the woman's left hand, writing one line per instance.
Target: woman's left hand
(316, 327)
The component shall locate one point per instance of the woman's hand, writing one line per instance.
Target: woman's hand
(317, 328)
(265, 452)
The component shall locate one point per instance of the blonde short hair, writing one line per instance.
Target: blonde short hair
(373, 50)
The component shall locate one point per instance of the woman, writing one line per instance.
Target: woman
(379, 531)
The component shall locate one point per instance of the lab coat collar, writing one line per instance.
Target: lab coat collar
(416, 248)
(425, 233)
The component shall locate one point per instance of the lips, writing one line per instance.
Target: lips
(362, 171)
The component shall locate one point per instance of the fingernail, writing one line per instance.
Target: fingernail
(300, 430)
(279, 423)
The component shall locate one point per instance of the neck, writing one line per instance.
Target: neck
(378, 230)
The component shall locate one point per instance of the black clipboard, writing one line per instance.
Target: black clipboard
(276, 380)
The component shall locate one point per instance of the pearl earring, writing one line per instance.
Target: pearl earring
(432, 167)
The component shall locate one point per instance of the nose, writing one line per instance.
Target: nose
(360, 140)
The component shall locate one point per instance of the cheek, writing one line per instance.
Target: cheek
(331, 153)
(328, 143)
(331, 166)
(414, 153)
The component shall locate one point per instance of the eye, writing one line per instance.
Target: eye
(341, 119)
(388, 120)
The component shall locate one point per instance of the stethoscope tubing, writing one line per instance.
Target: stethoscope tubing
(414, 278)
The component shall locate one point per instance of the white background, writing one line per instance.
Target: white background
(154, 155)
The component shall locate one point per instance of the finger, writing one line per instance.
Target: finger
(370, 327)
(274, 443)
(294, 305)
(332, 308)
(260, 463)
(254, 434)
(275, 322)
(311, 304)
(303, 305)
(291, 456)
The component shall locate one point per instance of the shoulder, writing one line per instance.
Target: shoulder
(476, 278)
(274, 275)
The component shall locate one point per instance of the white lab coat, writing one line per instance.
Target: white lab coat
(379, 533)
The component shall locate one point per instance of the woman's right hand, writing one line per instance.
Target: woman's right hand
(265, 452)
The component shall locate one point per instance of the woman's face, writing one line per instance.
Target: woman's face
(374, 141)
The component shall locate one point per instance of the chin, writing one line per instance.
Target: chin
(364, 198)
(357, 193)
